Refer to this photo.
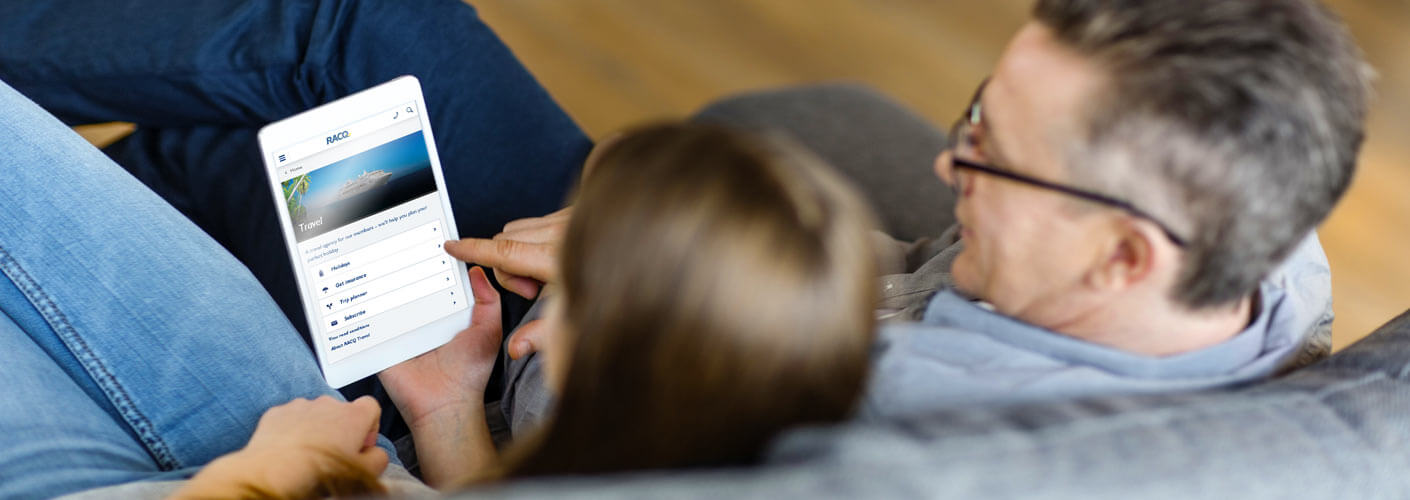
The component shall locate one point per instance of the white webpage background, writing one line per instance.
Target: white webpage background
(349, 337)
(357, 334)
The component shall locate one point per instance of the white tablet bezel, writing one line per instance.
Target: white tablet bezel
(282, 134)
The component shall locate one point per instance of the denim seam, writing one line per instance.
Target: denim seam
(91, 363)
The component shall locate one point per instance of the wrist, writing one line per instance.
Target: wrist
(453, 443)
(447, 414)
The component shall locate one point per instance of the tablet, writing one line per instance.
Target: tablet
(362, 203)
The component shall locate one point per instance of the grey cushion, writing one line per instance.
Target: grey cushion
(1338, 429)
(886, 150)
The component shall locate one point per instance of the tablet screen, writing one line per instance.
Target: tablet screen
(368, 225)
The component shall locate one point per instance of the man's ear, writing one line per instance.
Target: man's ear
(942, 167)
(1127, 258)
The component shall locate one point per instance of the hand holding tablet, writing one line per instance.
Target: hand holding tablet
(362, 201)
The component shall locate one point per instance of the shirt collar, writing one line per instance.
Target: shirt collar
(949, 309)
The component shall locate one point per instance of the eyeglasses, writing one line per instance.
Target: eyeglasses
(962, 143)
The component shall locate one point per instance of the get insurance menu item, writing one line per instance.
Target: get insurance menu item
(359, 189)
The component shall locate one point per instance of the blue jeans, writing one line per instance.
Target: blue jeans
(135, 347)
(199, 78)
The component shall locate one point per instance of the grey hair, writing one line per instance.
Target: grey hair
(1236, 122)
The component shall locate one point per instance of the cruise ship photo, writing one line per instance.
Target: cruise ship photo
(364, 183)
(361, 186)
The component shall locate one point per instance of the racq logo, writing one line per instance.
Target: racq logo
(337, 137)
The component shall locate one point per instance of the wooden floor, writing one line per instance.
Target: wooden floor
(613, 63)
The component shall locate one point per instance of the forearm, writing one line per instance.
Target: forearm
(453, 445)
(234, 476)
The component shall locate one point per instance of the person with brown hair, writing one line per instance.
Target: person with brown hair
(717, 289)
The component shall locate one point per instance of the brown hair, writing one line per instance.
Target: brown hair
(719, 288)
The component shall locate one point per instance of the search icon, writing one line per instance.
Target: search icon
(408, 109)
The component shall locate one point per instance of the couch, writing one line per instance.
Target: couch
(1337, 429)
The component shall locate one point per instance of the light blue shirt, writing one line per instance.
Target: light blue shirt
(962, 355)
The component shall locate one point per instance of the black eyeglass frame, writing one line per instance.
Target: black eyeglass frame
(971, 118)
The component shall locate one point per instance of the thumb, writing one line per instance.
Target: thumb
(482, 289)
(374, 460)
(486, 299)
(527, 339)
(370, 457)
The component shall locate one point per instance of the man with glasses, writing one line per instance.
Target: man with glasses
(1137, 186)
